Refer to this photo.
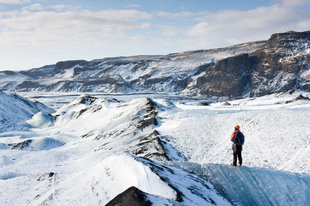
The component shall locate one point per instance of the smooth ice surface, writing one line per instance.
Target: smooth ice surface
(255, 186)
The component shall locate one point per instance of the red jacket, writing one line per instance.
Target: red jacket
(234, 134)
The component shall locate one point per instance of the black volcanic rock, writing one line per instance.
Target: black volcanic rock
(132, 196)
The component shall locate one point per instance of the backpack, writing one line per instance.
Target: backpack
(239, 139)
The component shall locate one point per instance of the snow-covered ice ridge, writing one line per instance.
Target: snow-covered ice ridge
(96, 151)
(91, 150)
(15, 109)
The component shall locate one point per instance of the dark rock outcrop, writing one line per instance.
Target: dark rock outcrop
(229, 77)
(21, 145)
(282, 64)
(132, 196)
(150, 146)
(147, 116)
(61, 66)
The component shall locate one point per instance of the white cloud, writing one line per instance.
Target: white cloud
(180, 15)
(295, 3)
(13, 1)
(71, 31)
(28, 27)
(133, 6)
(230, 27)
(33, 7)
(170, 30)
(60, 7)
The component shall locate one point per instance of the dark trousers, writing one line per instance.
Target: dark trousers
(236, 154)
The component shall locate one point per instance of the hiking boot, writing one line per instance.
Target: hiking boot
(232, 164)
(239, 164)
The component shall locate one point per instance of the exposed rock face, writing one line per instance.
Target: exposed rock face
(147, 116)
(283, 63)
(132, 196)
(229, 77)
(21, 145)
(150, 146)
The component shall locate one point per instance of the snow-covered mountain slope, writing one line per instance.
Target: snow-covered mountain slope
(15, 110)
(91, 151)
(161, 73)
(251, 69)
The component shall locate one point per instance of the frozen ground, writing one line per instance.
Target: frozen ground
(175, 149)
(277, 135)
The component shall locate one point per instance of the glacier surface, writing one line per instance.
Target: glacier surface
(175, 149)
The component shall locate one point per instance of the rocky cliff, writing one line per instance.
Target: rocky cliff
(281, 64)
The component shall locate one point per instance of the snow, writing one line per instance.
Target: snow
(191, 189)
(137, 174)
(305, 74)
(202, 133)
(279, 100)
(92, 149)
(45, 144)
(109, 177)
(14, 110)
(87, 142)
(40, 119)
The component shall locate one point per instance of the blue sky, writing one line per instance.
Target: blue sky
(34, 33)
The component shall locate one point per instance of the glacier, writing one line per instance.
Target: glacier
(90, 148)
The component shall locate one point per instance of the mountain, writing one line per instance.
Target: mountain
(249, 69)
(281, 64)
(162, 73)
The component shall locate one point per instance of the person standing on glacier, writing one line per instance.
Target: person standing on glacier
(237, 138)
